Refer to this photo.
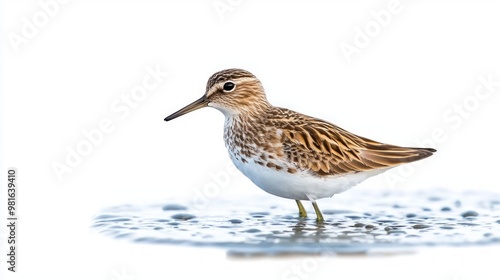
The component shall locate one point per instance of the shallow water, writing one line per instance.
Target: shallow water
(390, 222)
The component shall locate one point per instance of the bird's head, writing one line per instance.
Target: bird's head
(231, 91)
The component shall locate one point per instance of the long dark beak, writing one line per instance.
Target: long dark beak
(200, 103)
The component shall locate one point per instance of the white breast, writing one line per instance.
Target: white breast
(300, 185)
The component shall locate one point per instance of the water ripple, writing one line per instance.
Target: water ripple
(394, 221)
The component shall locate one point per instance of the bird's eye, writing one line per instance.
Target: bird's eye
(229, 86)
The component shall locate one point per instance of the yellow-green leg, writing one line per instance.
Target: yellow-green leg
(319, 216)
(302, 210)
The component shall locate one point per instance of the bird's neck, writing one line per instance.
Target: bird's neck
(248, 136)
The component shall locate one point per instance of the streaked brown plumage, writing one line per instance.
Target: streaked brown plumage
(280, 150)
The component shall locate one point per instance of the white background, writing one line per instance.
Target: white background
(65, 78)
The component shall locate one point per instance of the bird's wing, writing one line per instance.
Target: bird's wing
(325, 149)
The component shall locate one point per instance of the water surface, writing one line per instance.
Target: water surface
(389, 222)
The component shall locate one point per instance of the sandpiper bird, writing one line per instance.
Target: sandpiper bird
(289, 154)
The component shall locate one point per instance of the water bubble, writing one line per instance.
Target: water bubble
(174, 207)
(470, 213)
(183, 217)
